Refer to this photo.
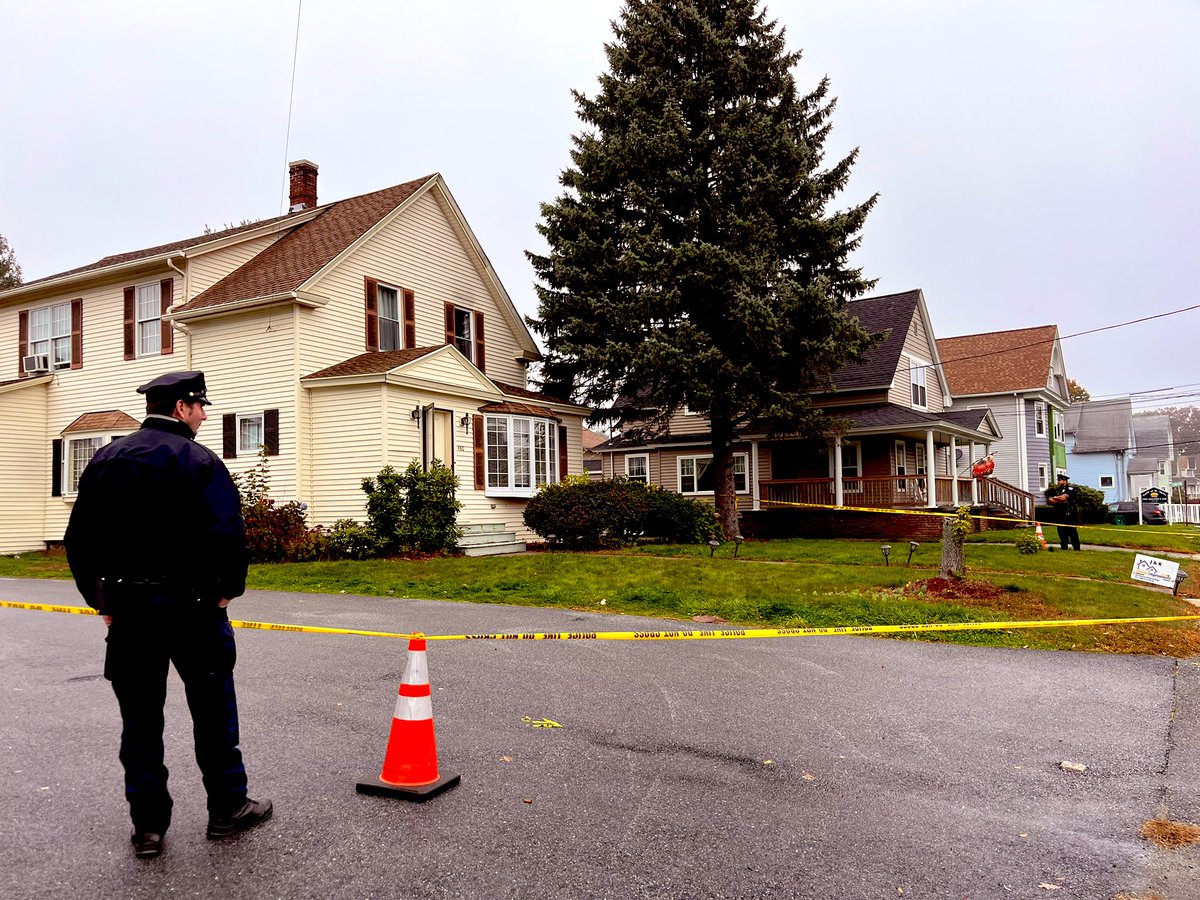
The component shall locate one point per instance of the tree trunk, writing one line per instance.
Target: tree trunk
(724, 492)
(953, 564)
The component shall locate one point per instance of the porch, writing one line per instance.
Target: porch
(896, 492)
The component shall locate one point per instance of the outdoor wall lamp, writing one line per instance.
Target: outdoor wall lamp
(737, 544)
(886, 549)
(465, 421)
(912, 548)
(416, 413)
(712, 547)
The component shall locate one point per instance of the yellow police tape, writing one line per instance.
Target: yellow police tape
(690, 634)
(947, 515)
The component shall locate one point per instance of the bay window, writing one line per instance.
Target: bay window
(521, 454)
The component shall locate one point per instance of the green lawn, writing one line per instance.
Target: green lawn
(775, 583)
(1180, 538)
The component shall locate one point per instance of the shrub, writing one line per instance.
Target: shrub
(585, 514)
(1090, 502)
(274, 532)
(350, 540)
(1027, 543)
(430, 509)
(413, 511)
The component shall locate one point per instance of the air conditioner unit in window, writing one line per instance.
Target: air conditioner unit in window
(39, 362)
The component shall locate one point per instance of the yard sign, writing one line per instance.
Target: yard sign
(1154, 571)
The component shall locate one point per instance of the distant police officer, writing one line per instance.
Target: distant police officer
(1062, 499)
(156, 543)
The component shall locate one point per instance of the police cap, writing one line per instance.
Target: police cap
(185, 386)
(1062, 476)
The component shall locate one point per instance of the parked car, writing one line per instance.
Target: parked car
(1125, 512)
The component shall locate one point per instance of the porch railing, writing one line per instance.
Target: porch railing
(893, 492)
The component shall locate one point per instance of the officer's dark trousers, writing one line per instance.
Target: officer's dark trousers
(146, 635)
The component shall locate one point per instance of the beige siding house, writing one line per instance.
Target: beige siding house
(906, 446)
(342, 338)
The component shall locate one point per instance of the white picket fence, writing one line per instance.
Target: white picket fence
(1182, 513)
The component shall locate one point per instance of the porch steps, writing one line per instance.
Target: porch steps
(489, 540)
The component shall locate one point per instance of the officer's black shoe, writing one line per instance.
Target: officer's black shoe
(251, 813)
(146, 844)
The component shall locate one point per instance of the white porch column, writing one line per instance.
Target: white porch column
(954, 471)
(754, 492)
(838, 496)
(974, 480)
(930, 471)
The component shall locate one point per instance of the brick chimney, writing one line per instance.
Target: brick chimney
(303, 187)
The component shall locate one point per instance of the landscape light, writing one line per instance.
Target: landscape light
(737, 544)
(885, 550)
(713, 545)
(912, 548)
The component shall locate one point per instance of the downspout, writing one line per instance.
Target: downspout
(179, 326)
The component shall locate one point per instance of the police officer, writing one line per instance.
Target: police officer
(1062, 499)
(156, 543)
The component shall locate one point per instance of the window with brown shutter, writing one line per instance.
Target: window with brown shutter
(271, 432)
(371, 293)
(77, 334)
(130, 320)
(168, 333)
(562, 452)
(480, 461)
(410, 320)
(479, 359)
(229, 436)
(450, 323)
(56, 457)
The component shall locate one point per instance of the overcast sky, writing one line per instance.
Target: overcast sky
(1037, 162)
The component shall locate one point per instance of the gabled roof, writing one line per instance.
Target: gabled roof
(383, 362)
(107, 420)
(119, 259)
(1153, 436)
(999, 361)
(374, 362)
(1100, 426)
(296, 257)
(891, 313)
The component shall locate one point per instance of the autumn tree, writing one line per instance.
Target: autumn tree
(1076, 392)
(693, 259)
(10, 272)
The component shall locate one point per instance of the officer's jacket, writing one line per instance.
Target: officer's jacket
(156, 508)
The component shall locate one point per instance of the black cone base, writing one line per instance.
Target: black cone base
(418, 793)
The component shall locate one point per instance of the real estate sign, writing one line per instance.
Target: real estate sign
(1153, 570)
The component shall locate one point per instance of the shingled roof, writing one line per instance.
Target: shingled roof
(1100, 426)
(106, 420)
(891, 313)
(297, 256)
(118, 259)
(998, 361)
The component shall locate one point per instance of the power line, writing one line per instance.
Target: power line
(1063, 337)
(287, 138)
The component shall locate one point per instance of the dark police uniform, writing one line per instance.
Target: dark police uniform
(1066, 512)
(155, 540)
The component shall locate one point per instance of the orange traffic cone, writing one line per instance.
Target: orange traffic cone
(1041, 537)
(410, 768)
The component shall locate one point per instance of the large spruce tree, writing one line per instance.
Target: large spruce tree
(692, 260)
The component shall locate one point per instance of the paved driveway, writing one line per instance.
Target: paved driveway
(798, 768)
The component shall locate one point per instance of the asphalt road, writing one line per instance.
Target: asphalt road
(787, 768)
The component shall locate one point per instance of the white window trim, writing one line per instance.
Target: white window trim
(551, 458)
(399, 320)
(70, 485)
(1043, 475)
(138, 321)
(646, 457)
(914, 364)
(900, 462)
(262, 427)
(49, 341)
(1039, 421)
(469, 352)
(919, 464)
(1059, 434)
(745, 457)
(1112, 482)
